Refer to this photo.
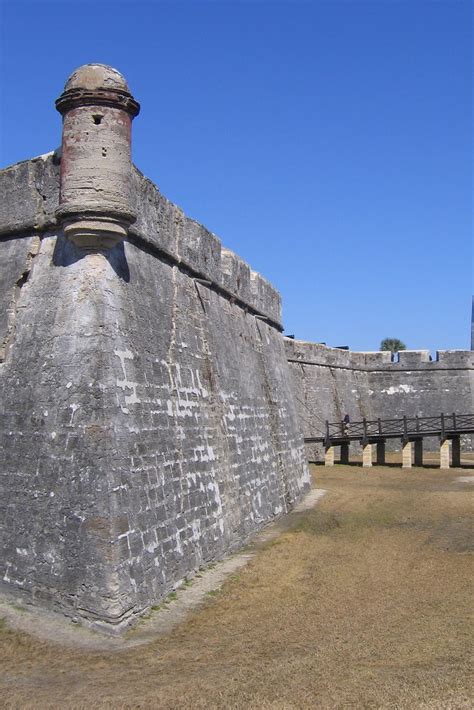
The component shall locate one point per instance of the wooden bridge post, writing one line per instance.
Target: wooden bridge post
(418, 452)
(345, 452)
(380, 453)
(406, 454)
(456, 451)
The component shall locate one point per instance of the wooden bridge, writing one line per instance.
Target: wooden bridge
(410, 430)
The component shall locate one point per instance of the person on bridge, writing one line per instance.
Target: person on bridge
(345, 425)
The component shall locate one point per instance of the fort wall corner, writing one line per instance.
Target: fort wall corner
(148, 423)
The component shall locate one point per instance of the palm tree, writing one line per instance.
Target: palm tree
(392, 344)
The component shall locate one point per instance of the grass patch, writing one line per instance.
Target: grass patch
(171, 597)
(364, 602)
(213, 593)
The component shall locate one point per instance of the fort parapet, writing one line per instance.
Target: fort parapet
(31, 191)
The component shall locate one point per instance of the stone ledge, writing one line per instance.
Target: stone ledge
(30, 192)
(185, 240)
(456, 358)
(413, 357)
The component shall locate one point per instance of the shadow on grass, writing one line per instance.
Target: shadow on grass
(320, 522)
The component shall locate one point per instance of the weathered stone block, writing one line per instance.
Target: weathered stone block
(376, 359)
(158, 220)
(412, 358)
(235, 275)
(456, 358)
(266, 299)
(201, 250)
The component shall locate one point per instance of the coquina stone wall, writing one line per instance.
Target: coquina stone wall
(147, 421)
(329, 383)
(151, 413)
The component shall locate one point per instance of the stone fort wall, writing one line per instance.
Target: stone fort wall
(147, 418)
(329, 383)
(152, 414)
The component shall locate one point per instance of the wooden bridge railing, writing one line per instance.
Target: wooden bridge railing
(448, 427)
(444, 425)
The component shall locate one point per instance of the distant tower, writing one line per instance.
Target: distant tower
(472, 324)
(97, 109)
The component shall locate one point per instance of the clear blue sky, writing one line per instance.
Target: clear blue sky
(326, 142)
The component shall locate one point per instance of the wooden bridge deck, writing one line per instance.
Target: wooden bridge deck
(447, 427)
(444, 426)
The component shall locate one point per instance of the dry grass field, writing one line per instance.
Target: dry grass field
(363, 602)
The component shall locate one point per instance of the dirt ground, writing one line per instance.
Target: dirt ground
(364, 602)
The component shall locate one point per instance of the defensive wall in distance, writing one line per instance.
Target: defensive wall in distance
(331, 382)
(147, 420)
